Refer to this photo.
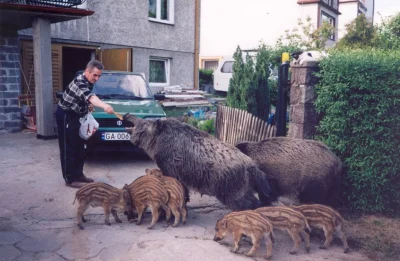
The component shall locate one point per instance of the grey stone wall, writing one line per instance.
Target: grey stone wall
(181, 68)
(10, 87)
(125, 22)
(303, 117)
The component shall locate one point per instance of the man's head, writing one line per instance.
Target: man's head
(93, 71)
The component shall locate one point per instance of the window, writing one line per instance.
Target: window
(159, 72)
(161, 11)
(331, 3)
(210, 65)
(227, 67)
(325, 18)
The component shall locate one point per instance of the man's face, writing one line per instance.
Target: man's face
(92, 75)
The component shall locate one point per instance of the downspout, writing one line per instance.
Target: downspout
(196, 43)
(373, 11)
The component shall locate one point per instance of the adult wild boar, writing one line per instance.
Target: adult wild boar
(302, 170)
(201, 162)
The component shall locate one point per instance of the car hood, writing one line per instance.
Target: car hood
(142, 109)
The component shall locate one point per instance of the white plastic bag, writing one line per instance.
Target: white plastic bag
(88, 126)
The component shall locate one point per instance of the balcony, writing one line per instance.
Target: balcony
(52, 3)
(332, 5)
(19, 14)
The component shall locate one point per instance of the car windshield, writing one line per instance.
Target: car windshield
(121, 86)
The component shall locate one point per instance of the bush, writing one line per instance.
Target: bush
(206, 76)
(273, 90)
(203, 125)
(249, 86)
(207, 126)
(359, 96)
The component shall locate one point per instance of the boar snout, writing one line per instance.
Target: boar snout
(216, 239)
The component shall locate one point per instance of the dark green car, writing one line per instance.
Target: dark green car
(126, 92)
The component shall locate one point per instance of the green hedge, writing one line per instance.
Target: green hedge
(359, 96)
(206, 76)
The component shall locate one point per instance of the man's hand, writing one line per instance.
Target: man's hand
(109, 109)
(91, 108)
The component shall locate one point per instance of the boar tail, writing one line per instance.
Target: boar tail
(266, 194)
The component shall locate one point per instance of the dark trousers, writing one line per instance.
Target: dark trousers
(72, 147)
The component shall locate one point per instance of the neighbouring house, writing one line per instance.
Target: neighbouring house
(266, 21)
(159, 38)
(350, 9)
(209, 62)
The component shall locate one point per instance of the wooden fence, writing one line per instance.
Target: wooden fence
(233, 125)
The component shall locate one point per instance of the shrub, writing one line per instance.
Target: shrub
(273, 91)
(206, 76)
(204, 125)
(207, 126)
(359, 96)
(234, 98)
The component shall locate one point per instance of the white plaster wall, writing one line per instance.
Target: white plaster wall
(349, 13)
(370, 6)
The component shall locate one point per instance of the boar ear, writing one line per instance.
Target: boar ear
(126, 186)
(224, 223)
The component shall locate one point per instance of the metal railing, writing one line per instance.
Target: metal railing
(52, 3)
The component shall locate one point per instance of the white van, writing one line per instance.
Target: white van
(223, 74)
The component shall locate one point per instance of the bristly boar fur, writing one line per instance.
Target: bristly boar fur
(249, 223)
(201, 162)
(98, 194)
(302, 170)
(176, 201)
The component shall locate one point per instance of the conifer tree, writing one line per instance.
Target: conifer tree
(249, 87)
(234, 98)
(262, 73)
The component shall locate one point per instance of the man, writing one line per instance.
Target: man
(76, 101)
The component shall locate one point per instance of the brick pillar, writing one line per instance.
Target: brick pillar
(303, 117)
(10, 86)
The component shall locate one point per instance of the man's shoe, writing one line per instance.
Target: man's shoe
(84, 179)
(74, 184)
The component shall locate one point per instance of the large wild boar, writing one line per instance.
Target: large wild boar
(201, 162)
(302, 170)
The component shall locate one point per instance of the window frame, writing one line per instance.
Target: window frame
(227, 62)
(210, 61)
(167, 66)
(333, 37)
(171, 12)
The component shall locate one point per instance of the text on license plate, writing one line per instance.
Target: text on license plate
(115, 136)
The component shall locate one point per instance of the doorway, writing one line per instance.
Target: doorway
(74, 59)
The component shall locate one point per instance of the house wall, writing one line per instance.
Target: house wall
(370, 9)
(125, 24)
(181, 66)
(10, 115)
(349, 13)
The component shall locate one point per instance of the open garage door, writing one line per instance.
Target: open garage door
(116, 59)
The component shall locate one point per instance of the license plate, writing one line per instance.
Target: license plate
(115, 136)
